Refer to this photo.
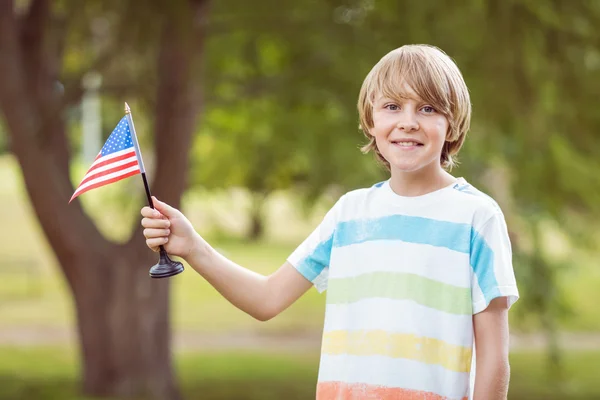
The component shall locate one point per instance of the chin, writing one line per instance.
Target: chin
(411, 166)
(404, 166)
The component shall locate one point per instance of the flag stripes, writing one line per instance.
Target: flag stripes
(116, 161)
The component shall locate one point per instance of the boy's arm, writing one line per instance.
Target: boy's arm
(262, 297)
(491, 347)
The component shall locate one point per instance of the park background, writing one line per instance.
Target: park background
(246, 115)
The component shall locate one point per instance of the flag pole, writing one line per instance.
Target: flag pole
(138, 154)
(165, 266)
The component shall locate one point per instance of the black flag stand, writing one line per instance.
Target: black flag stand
(165, 266)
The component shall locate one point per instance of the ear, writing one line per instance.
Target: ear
(449, 134)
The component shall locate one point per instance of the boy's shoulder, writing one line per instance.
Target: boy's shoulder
(482, 205)
(461, 198)
(357, 203)
(473, 194)
(363, 194)
(462, 190)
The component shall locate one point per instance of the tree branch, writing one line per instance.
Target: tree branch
(14, 100)
(32, 28)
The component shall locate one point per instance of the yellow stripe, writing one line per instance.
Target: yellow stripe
(398, 345)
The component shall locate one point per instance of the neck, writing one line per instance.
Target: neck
(417, 183)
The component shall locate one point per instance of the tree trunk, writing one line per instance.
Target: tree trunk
(123, 324)
(257, 226)
(122, 314)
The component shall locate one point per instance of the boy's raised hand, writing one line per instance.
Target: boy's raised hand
(167, 226)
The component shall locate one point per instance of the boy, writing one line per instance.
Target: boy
(418, 268)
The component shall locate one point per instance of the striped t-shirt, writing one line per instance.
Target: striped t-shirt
(404, 276)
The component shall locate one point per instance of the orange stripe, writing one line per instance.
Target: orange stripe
(363, 391)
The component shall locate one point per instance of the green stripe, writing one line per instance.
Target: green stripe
(400, 286)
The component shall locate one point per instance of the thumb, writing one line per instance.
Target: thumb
(164, 208)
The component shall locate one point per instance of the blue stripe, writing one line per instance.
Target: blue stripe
(482, 256)
(482, 261)
(409, 229)
(312, 265)
(451, 235)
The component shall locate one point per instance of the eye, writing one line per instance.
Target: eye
(428, 109)
(392, 107)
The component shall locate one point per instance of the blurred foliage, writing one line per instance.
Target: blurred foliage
(280, 100)
(281, 85)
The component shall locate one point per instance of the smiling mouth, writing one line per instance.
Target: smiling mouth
(405, 143)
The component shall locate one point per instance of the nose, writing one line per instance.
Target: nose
(408, 122)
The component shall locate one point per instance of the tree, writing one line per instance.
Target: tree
(122, 315)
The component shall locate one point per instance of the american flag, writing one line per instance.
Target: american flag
(117, 160)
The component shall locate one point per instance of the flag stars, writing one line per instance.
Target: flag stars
(120, 139)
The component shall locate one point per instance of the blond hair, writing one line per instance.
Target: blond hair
(434, 77)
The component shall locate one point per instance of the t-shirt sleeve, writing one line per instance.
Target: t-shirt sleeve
(312, 257)
(491, 260)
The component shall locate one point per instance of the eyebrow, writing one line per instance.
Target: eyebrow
(400, 96)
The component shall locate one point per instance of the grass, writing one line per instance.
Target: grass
(51, 373)
(34, 295)
(578, 380)
(195, 302)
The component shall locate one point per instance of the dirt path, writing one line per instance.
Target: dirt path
(202, 341)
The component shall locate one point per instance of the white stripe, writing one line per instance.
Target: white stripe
(477, 296)
(107, 177)
(113, 155)
(400, 316)
(480, 303)
(321, 280)
(375, 203)
(394, 372)
(438, 263)
(110, 166)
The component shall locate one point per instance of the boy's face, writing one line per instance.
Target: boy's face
(409, 133)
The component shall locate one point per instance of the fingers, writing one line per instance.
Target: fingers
(154, 219)
(154, 243)
(164, 208)
(151, 213)
(150, 233)
(156, 223)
